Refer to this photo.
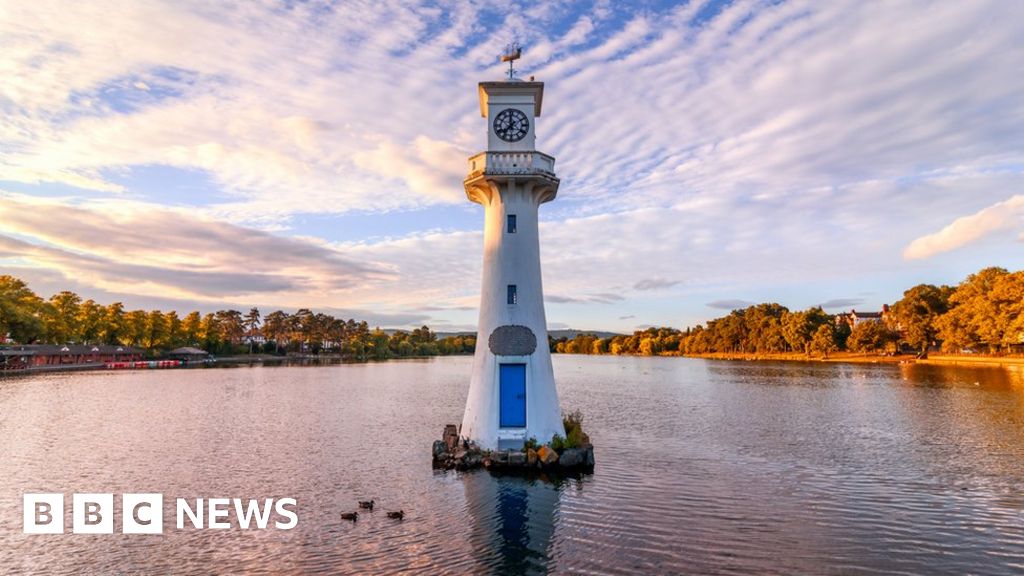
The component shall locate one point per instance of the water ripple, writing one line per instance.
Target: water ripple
(703, 467)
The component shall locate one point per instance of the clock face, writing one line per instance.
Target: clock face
(511, 125)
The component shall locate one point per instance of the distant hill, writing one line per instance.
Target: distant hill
(571, 333)
(568, 333)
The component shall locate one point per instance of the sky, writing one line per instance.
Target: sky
(210, 155)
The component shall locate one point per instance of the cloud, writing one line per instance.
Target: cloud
(710, 151)
(602, 298)
(729, 304)
(430, 168)
(371, 107)
(161, 252)
(1005, 215)
(841, 303)
(654, 284)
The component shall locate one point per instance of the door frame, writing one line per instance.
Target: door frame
(525, 362)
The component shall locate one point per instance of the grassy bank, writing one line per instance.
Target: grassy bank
(974, 360)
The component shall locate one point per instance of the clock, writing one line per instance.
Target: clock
(511, 125)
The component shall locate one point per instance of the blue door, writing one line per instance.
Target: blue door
(512, 386)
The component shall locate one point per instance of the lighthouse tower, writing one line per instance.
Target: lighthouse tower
(512, 394)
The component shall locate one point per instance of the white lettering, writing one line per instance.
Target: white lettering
(92, 514)
(43, 513)
(218, 508)
(281, 510)
(253, 509)
(184, 509)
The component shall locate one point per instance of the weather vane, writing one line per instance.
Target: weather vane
(512, 53)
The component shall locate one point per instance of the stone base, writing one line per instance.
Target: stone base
(450, 453)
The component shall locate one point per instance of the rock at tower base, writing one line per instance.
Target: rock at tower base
(466, 455)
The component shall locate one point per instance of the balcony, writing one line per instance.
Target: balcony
(511, 164)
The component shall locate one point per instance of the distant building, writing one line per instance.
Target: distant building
(854, 318)
(38, 355)
(187, 353)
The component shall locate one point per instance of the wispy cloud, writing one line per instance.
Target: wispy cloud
(841, 303)
(701, 150)
(152, 251)
(734, 304)
(654, 284)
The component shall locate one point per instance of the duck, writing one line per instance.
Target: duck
(397, 515)
(366, 504)
(353, 516)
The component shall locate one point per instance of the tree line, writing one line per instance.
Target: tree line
(65, 318)
(984, 313)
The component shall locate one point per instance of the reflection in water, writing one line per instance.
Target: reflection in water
(513, 521)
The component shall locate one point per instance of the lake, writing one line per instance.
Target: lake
(703, 466)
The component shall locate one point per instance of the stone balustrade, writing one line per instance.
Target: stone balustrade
(511, 163)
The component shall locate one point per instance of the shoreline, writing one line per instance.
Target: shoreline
(838, 357)
(842, 357)
(857, 358)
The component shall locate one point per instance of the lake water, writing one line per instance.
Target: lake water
(702, 467)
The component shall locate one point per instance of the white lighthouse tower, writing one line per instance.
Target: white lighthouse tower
(512, 394)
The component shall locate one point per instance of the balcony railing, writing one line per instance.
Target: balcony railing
(512, 163)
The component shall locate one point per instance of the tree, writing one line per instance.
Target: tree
(868, 336)
(134, 328)
(191, 328)
(422, 334)
(231, 325)
(90, 321)
(251, 322)
(824, 340)
(157, 331)
(983, 311)
(915, 315)
(379, 345)
(60, 317)
(275, 327)
(20, 310)
(799, 328)
(209, 333)
(113, 326)
(174, 333)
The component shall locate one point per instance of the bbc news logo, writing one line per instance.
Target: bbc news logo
(144, 513)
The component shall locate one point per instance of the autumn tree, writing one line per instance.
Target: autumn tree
(824, 340)
(868, 336)
(134, 329)
(275, 327)
(191, 329)
(60, 318)
(113, 327)
(984, 311)
(915, 316)
(156, 332)
(799, 328)
(251, 323)
(20, 310)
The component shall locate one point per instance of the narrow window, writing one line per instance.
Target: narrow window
(512, 299)
(511, 223)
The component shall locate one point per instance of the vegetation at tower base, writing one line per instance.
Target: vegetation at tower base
(570, 453)
(65, 318)
(983, 314)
